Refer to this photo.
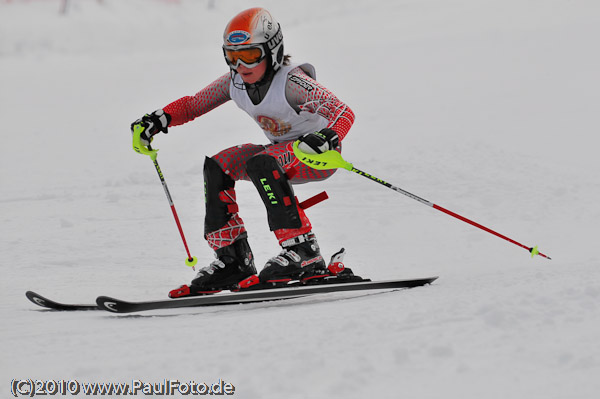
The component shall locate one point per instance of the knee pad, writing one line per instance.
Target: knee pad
(219, 196)
(275, 191)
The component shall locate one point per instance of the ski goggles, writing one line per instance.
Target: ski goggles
(249, 56)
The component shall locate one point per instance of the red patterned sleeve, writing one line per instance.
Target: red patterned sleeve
(189, 108)
(306, 94)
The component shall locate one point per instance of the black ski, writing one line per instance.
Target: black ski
(50, 304)
(119, 306)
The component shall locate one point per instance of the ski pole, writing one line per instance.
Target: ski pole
(333, 160)
(139, 148)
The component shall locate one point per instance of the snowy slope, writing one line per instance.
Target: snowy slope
(486, 107)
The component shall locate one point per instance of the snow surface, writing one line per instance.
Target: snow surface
(486, 107)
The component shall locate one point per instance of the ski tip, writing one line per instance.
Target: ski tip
(36, 298)
(432, 279)
(108, 303)
(53, 305)
(42, 301)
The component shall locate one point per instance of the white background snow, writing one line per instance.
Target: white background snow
(489, 108)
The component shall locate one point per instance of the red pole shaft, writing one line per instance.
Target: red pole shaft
(532, 250)
(190, 258)
(181, 232)
(482, 227)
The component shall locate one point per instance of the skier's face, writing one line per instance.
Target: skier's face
(252, 75)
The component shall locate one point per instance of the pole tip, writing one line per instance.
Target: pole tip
(534, 251)
(191, 262)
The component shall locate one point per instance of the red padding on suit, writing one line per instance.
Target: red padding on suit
(314, 200)
(291, 173)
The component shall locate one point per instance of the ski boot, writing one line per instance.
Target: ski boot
(234, 263)
(300, 259)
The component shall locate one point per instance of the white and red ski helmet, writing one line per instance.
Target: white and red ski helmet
(251, 36)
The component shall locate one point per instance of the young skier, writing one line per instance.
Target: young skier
(288, 104)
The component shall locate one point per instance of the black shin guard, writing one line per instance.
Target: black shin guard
(216, 181)
(275, 191)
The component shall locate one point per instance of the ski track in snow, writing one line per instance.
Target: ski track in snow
(488, 108)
